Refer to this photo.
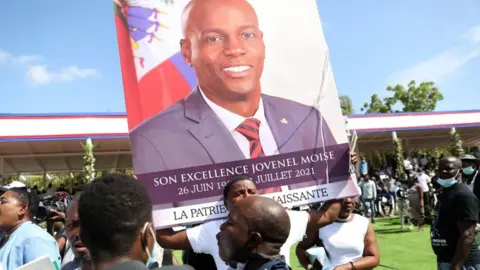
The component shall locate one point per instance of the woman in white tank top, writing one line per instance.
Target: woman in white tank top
(350, 241)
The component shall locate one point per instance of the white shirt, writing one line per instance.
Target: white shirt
(344, 242)
(423, 180)
(407, 164)
(203, 237)
(232, 121)
(68, 256)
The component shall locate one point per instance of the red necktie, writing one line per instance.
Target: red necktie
(250, 129)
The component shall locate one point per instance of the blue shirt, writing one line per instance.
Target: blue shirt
(364, 167)
(28, 243)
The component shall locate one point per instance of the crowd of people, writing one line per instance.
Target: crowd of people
(384, 193)
(108, 225)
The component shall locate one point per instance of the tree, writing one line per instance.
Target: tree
(398, 149)
(456, 144)
(89, 162)
(413, 98)
(378, 105)
(346, 105)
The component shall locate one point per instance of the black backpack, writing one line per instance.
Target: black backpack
(278, 264)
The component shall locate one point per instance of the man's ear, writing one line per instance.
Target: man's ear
(254, 240)
(185, 48)
(23, 211)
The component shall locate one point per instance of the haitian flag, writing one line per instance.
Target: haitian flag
(154, 73)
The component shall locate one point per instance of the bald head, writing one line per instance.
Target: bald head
(266, 217)
(255, 225)
(196, 11)
(453, 161)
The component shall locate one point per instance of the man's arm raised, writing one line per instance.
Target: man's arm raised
(326, 215)
(168, 238)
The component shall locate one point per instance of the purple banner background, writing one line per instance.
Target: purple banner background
(163, 188)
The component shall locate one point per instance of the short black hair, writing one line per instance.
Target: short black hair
(28, 197)
(111, 210)
(229, 185)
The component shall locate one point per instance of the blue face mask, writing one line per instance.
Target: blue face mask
(447, 182)
(468, 170)
(152, 260)
(151, 254)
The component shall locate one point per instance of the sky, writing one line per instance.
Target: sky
(56, 57)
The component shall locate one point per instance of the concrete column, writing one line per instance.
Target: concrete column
(394, 135)
(71, 179)
(357, 166)
(44, 180)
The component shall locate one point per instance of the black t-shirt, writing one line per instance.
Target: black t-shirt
(456, 203)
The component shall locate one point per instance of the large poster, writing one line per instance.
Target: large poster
(220, 88)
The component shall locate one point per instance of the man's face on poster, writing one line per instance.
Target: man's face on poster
(225, 46)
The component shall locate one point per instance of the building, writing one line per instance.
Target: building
(52, 142)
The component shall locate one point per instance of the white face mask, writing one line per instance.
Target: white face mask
(448, 182)
(151, 254)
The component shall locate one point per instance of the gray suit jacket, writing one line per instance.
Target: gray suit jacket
(189, 134)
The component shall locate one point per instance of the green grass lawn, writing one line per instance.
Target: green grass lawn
(403, 250)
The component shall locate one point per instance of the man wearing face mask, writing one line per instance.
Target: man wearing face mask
(115, 214)
(470, 173)
(456, 215)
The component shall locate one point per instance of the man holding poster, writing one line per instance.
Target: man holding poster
(228, 125)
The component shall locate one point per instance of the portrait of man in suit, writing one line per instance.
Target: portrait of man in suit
(226, 117)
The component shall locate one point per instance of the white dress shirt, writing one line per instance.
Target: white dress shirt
(424, 180)
(232, 121)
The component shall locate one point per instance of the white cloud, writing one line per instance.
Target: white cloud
(39, 74)
(25, 59)
(473, 35)
(4, 56)
(441, 66)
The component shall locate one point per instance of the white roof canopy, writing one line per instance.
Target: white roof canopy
(51, 143)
